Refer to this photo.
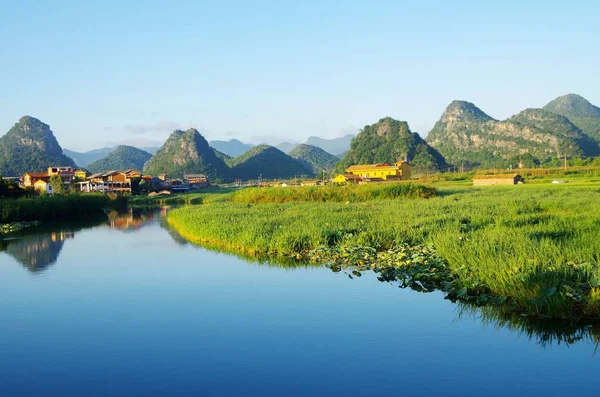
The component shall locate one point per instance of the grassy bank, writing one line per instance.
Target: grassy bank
(534, 246)
(192, 198)
(54, 208)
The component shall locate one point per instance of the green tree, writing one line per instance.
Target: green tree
(58, 185)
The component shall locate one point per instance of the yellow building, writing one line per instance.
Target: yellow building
(347, 178)
(400, 170)
(43, 186)
(81, 174)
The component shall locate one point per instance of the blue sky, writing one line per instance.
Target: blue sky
(119, 71)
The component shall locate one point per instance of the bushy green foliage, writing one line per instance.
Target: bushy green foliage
(57, 184)
(52, 208)
(348, 193)
(9, 189)
(267, 161)
(122, 158)
(389, 141)
(532, 245)
(314, 159)
(30, 146)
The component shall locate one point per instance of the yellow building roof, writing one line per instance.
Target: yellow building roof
(379, 166)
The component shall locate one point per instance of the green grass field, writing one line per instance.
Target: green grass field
(534, 246)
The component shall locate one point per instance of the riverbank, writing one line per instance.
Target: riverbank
(533, 248)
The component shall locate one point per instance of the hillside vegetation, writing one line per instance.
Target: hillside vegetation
(388, 141)
(315, 159)
(579, 111)
(30, 146)
(466, 135)
(122, 158)
(187, 152)
(267, 162)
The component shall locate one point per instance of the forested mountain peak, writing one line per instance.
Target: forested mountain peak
(30, 145)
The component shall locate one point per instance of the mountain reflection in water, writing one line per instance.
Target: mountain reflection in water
(40, 250)
(37, 252)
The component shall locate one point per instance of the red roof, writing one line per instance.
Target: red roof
(37, 174)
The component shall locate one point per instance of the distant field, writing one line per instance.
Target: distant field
(535, 245)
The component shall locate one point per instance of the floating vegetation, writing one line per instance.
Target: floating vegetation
(6, 228)
(416, 267)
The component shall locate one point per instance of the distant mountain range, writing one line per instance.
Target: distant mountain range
(232, 147)
(335, 146)
(464, 135)
(85, 158)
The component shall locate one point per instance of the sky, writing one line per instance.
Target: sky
(102, 73)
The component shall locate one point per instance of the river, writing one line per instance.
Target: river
(124, 306)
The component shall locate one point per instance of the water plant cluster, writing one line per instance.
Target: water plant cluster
(6, 228)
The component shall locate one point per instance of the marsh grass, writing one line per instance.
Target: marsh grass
(331, 193)
(191, 198)
(535, 245)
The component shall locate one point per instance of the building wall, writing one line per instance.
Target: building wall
(44, 187)
(119, 178)
(406, 170)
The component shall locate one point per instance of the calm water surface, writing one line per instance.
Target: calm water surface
(128, 308)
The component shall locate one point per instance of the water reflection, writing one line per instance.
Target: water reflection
(544, 332)
(38, 252)
(132, 219)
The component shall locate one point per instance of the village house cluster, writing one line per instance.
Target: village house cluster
(114, 181)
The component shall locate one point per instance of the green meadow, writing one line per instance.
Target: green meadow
(533, 249)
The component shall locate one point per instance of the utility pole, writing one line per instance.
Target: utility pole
(565, 162)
